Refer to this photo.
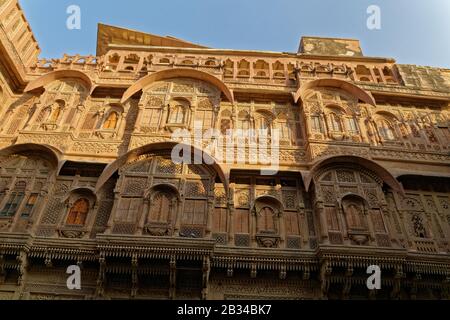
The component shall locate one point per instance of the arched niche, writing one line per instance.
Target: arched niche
(268, 212)
(352, 89)
(161, 209)
(178, 73)
(381, 172)
(49, 153)
(46, 79)
(161, 147)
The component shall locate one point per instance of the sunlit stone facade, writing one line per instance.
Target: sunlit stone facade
(87, 179)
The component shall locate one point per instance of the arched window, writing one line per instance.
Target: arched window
(316, 123)
(354, 214)
(266, 221)
(229, 68)
(285, 128)
(44, 115)
(264, 126)
(352, 125)
(177, 114)
(386, 131)
(225, 122)
(335, 122)
(15, 200)
(111, 121)
(55, 114)
(243, 121)
(244, 68)
(78, 212)
(160, 207)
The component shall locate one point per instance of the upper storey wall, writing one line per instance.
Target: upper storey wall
(121, 67)
(18, 47)
(15, 29)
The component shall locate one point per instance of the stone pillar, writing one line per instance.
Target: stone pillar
(209, 217)
(38, 209)
(110, 224)
(122, 125)
(253, 228)
(282, 225)
(382, 75)
(138, 124)
(230, 224)
(90, 221)
(363, 130)
(323, 222)
(145, 211)
(32, 120)
(74, 125)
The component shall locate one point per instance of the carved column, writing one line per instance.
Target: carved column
(326, 127)
(172, 277)
(179, 214)
(39, 209)
(369, 225)
(231, 223)
(140, 114)
(282, 231)
(145, 212)
(32, 120)
(363, 129)
(77, 118)
(122, 125)
(109, 225)
(206, 271)
(209, 216)
(325, 272)
(253, 227)
(323, 222)
(134, 275)
(22, 260)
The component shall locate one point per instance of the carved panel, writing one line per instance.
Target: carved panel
(53, 211)
(166, 166)
(242, 198)
(242, 240)
(196, 188)
(134, 186)
(290, 200)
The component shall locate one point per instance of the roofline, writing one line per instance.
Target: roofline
(253, 52)
(329, 38)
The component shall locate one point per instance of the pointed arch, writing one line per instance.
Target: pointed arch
(57, 75)
(178, 73)
(354, 90)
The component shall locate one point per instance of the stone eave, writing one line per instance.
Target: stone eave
(123, 245)
(121, 34)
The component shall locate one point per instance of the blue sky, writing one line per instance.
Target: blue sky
(412, 31)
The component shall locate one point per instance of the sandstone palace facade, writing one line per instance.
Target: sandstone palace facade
(87, 179)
